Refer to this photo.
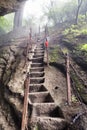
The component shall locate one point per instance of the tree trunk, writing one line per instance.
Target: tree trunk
(77, 13)
(18, 19)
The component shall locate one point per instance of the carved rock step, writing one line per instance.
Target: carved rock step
(40, 97)
(36, 65)
(38, 53)
(47, 110)
(39, 49)
(37, 88)
(36, 60)
(40, 46)
(37, 74)
(36, 80)
(37, 56)
(37, 69)
(47, 123)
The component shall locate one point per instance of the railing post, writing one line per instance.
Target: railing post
(68, 80)
(47, 57)
(30, 36)
(26, 53)
(25, 107)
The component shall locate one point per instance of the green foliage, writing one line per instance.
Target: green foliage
(75, 30)
(83, 47)
(66, 31)
(69, 10)
(65, 50)
(71, 30)
(73, 26)
(81, 17)
(6, 22)
(74, 99)
(80, 87)
(83, 32)
(66, 12)
(54, 55)
(58, 14)
(81, 20)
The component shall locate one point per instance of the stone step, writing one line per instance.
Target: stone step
(35, 56)
(39, 53)
(47, 123)
(36, 60)
(37, 69)
(47, 110)
(37, 88)
(39, 49)
(37, 80)
(36, 65)
(37, 74)
(40, 97)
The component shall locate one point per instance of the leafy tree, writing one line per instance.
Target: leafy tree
(6, 22)
(83, 10)
(60, 14)
(18, 19)
(71, 12)
(78, 9)
(19, 16)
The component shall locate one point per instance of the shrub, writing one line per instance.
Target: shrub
(6, 22)
(66, 31)
(83, 47)
(81, 18)
(83, 32)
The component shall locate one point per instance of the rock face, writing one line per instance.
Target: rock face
(8, 6)
(12, 76)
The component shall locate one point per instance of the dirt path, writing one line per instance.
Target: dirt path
(56, 84)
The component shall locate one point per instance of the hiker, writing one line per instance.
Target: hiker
(46, 47)
(46, 44)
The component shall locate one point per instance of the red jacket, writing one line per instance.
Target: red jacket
(46, 43)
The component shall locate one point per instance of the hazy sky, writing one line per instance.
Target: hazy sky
(34, 7)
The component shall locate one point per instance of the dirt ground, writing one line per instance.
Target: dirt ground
(55, 82)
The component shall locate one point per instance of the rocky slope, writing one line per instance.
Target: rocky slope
(10, 6)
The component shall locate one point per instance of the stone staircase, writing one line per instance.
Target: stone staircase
(45, 114)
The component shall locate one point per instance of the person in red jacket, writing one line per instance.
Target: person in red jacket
(46, 47)
(46, 43)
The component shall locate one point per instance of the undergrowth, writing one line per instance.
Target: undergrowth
(83, 47)
(55, 54)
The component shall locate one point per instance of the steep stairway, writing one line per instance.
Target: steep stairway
(45, 114)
